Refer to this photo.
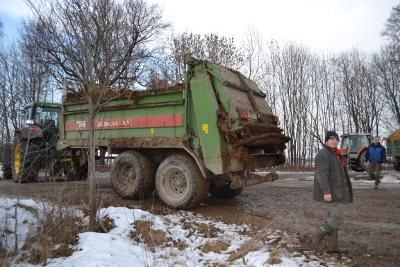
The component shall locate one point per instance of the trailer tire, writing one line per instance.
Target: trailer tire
(359, 163)
(25, 168)
(224, 191)
(7, 158)
(132, 175)
(179, 182)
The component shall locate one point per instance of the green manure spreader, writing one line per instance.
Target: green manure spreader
(204, 136)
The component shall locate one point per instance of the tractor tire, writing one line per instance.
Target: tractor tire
(7, 170)
(360, 161)
(180, 184)
(132, 175)
(26, 161)
(224, 191)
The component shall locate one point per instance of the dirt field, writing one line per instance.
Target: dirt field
(371, 231)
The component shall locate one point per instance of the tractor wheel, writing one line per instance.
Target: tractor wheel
(132, 175)
(360, 161)
(179, 182)
(26, 162)
(7, 170)
(224, 191)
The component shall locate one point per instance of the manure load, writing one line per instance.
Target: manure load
(204, 136)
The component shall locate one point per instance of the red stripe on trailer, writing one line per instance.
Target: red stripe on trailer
(129, 122)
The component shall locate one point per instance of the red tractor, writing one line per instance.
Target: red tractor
(353, 148)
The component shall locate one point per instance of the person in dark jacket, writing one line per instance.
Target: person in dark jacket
(333, 188)
(376, 155)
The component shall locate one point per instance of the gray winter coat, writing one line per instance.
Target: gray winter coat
(331, 178)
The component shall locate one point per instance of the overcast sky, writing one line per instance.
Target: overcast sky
(323, 25)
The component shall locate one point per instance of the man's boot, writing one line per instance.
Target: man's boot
(322, 231)
(333, 246)
(377, 181)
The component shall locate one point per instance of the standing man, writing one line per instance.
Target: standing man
(376, 155)
(333, 188)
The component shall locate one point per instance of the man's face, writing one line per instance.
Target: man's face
(332, 143)
(376, 141)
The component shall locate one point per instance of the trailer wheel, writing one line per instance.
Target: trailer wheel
(224, 191)
(25, 160)
(179, 182)
(132, 175)
(7, 170)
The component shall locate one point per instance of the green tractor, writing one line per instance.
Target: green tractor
(34, 146)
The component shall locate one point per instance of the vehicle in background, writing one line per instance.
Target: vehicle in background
(206, 135)
(392, 143)
(34, 147)
(353, 148)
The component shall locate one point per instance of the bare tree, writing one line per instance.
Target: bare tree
(392, 26)
(388, 74)
(323, 111)
(95, 42)
(255, 56)
(1, 31)
(221, 50)
(359, 89)
(287, 82)
(387, 64)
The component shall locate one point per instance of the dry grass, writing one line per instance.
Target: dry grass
(54, 234)
(280, 243)
(202, 229)
(57, 224)
(3, 257)
(216, 246)
(145, 233)
(59, 227)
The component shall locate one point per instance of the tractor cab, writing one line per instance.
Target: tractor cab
(42, 114)
(354, 142)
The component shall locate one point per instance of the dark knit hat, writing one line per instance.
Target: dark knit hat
(330, 135)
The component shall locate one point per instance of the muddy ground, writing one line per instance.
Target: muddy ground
(371, 231)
